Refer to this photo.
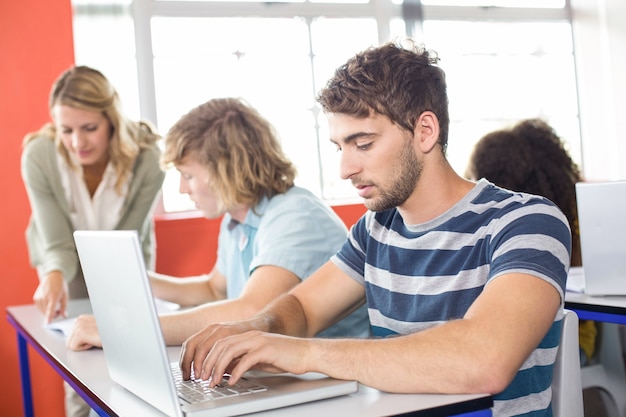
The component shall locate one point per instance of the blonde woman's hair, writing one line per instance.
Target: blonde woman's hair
(237, 146)
(85, 88)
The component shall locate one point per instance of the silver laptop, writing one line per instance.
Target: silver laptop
(135, 351)
(602, 221)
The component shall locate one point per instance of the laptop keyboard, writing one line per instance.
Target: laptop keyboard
(196, 390)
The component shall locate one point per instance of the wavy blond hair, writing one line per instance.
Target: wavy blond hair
(237, 146)
(85, 88)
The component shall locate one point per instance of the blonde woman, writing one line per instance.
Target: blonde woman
(90, 168)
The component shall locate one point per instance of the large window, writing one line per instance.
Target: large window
(503, 64)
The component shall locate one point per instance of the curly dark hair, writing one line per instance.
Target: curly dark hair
(530, 157)
(399, 80)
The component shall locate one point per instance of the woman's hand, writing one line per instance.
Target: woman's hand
(51, 296)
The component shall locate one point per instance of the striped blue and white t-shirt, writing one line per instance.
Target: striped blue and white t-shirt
(419, 276)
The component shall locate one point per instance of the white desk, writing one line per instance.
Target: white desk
(608, 309)
(609, 374)
(87, 372)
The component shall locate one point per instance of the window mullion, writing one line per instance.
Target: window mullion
(142, 12)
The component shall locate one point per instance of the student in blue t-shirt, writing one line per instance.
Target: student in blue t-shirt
(273, 234)
(464, 281)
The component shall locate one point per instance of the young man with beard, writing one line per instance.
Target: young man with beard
(464, 281)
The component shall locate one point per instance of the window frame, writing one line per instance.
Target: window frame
(383, 11)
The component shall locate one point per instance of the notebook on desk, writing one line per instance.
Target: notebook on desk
(135, 351)
(602, 222)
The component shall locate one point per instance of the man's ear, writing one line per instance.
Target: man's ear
(427, 130)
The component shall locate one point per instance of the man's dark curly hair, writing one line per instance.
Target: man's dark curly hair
(397, 80)
(530, 157)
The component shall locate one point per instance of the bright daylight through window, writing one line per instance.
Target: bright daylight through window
(505, 62)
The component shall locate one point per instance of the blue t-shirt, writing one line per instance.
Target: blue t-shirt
(419, 276)
(295, 231)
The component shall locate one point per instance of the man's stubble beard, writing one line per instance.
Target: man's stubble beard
(405, 179)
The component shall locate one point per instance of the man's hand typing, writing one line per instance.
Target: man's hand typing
(234, 349)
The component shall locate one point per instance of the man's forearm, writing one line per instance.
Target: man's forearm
(188, 291)
(284, 315)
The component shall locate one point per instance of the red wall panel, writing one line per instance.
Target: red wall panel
(36, 44)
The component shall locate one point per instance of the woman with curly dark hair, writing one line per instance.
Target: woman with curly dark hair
(530, 157)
